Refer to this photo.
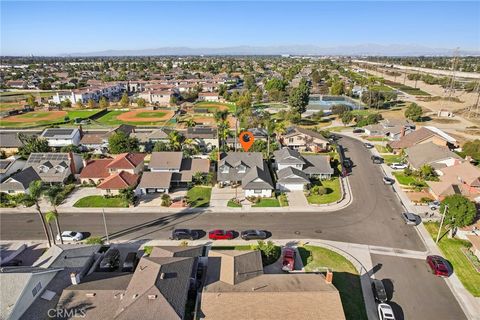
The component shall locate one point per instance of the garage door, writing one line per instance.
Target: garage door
(289, 187)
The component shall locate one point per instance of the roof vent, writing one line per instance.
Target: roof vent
(135, 295)
(162, 275)
(90, 294)
(152, 296)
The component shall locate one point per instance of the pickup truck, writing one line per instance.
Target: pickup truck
(288, 261)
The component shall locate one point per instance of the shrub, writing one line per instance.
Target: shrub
(253, 199)
(166, 200)
(147, 250)
(318, 190)
(94, 240)
(184, 243)
(270, 252)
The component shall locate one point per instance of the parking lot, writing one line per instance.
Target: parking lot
(414, 293)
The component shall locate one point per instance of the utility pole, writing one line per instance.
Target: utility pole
(105, 225)
(441, 223)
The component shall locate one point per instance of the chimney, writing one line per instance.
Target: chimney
(73, 166)
(75, 278)
(81, 131)
(329, 277)
(402, 131)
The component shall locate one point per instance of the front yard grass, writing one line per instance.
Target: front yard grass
(345, 277)
(391, 158)
(405, 180)
(233, 204)
(452, 249)
(270, 252)
(333, 192)
(381, 149)
(267, 202)
(199, 196)
(101, 202)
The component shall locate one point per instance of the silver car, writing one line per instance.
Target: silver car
(409, 218)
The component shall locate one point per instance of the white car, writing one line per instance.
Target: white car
(71, 236)
(398, 166)
(385, 312)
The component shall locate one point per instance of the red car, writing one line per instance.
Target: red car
(438, 265)
(221, 234)
(288, 263)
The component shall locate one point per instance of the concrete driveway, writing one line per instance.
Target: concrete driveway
(297, 199)
(220, 196)
(78, 194)
(155, 199)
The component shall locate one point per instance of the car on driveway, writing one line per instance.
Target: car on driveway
(388, 180)
(288, 261)
(253, 235)
(369, 145)
(110, 261)
(379, 290)
(385, 312)
(398, 166)
(377, 159)
(221, 234)
(184, 234)
(438, 266)
(409, 218)
(70, 236)
(358, 130)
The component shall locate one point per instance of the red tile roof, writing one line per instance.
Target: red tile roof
(119, 181)
(126, 161)
(96, 169)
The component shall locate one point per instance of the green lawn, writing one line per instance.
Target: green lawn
(101, 202)
(407, 180)
(391, 158)
(150, 114)
(333, 192)
(208, 105)
(199, 196)
(33, 115)
(82, 114)
(345, 278)
(267, 202)
(110, 118)
(232, 204)
(376, 139)
(452, 249)
(254, 246)
(381, 149)
(380, 88)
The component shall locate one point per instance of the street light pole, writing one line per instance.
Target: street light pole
(105, 225)
(441, 223)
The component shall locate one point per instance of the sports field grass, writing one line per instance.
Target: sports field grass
(110, 118)
(151, 114)
(214, 106)
(32, 119)
(83, 114)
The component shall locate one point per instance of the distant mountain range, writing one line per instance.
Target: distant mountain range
(354, 50)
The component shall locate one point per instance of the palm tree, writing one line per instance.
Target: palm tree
(35, 194)
(175, 141)
(190, 123)
(53, 193)
(49, 217)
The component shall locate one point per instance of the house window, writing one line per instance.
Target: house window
(241, 169)
(11, 191)
(37, 289)
(257, 191)
(290, 140)
(225, 169)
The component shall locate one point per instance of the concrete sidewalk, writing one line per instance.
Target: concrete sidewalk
(469, 303)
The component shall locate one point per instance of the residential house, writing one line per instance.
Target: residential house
(392, 129)
(247, 169)
(304, 140)
(431, 154)
(294, 170)
(19, 182)
(208, 96)
(170, 169)
(258, 134)
(424, 135)
(204, 137)
(28, 293)
(235, 284)
(10, 142)
(95, 92)
(158, 288)
(10, 166)
(62, 137)
(123, 172)
(97, 141)
(17, 84)
(95, 171)
(55, 167)
(147, 139)
(161, 97)
(463, 178)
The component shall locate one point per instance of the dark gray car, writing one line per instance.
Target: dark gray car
(379, 290)
(409, 218)
(184, 234)
(253, 235)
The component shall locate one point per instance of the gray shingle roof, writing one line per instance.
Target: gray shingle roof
(257, 179)
(427, 153)
(317, 164)
(292, 175)
(20, 180)
(288, 156)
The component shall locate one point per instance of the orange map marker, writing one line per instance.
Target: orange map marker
(246, 140)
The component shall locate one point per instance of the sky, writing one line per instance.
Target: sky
(62, 27)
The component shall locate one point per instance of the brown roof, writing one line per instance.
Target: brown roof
(177, 251)
(96, 169)
(126, 161)
(413, 138)
(155, 180)
(191, 166)
(92, 138)
(119, 181)
(465, 172)
(297, 130)
(166, 160)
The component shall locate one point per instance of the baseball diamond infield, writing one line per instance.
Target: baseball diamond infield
(144, 115)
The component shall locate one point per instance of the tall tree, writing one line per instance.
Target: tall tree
(50, 216)
(125, 102)
(53, 193)
(34, 195)
(104, 104)
(120, 142)
(461, 212)
(414, 112)
(141, 103)
(32, 144)
(175, 140)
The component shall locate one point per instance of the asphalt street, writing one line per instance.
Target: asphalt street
(372, 218)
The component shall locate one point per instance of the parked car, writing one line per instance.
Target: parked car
(434, 205)
(130, 262)
(358, 130)
(110, 260)
(409, 218)
(288, 262)
(377, 159)
(12, 263)
(379, 290)
(398, 166)
(253, 235)
(221, 234)
(438, 266)
(385, 312)
(347, 163)
(369, 145)
(184, 234)
(70, 236)
(389, 181)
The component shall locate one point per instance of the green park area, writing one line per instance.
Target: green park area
(101, 202)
